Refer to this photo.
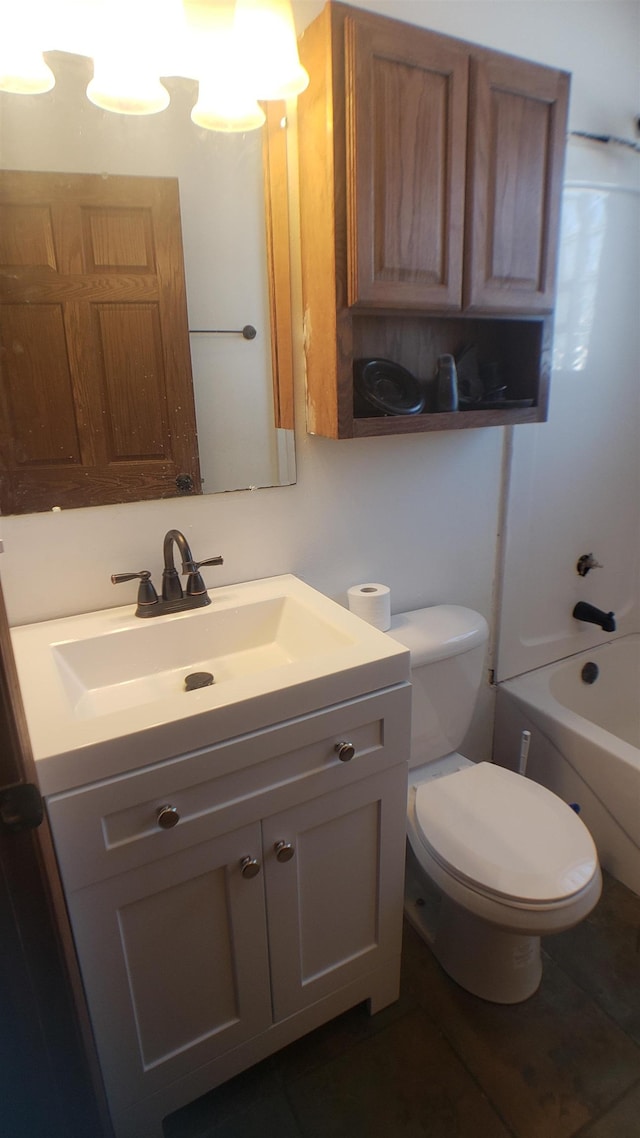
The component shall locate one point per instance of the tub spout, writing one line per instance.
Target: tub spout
(592, 615)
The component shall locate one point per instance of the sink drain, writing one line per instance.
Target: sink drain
(198, 680)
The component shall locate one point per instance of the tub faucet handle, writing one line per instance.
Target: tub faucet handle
(587, 562)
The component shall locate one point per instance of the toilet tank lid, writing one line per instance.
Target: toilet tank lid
(438, 632)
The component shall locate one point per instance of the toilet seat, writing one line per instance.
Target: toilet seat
(504, 837)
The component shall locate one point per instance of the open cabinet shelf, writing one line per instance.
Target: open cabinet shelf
(516, 351)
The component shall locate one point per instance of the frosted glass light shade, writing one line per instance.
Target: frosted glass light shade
(23, 70)
(267, 42)
(133, 44)
(126, 92)
(225, 107)
(226, 99)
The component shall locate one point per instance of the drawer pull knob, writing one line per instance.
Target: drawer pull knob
(284, 851)
(249, 867)
(167, 817)
(345, 751)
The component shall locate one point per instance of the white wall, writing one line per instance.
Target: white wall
(419, 513)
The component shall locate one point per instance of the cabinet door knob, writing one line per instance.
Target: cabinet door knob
(167, 817)
(345, 751)
(249, 867)
(284, 851)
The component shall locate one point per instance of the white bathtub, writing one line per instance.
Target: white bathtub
(585, 743)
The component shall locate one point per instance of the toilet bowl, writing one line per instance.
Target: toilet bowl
(494, 861)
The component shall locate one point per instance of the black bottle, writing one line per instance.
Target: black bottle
(447, 384)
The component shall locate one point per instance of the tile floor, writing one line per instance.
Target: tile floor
(442, 1064)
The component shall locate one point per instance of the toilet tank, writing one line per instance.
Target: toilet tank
(447, 645)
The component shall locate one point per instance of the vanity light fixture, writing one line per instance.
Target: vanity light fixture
(238, 52)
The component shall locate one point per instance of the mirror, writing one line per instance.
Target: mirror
(233, 208)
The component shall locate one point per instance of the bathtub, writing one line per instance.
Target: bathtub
(585, 742)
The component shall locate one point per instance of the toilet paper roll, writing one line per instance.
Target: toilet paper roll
(372, 602)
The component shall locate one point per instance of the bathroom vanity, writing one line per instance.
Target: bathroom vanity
(232, 856)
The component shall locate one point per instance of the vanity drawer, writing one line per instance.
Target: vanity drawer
(110, 827)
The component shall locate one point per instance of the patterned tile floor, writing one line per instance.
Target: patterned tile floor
(442, 1064)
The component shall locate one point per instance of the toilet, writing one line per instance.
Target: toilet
(494, 860)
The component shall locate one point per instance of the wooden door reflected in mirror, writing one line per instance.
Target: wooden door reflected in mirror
(96, 404)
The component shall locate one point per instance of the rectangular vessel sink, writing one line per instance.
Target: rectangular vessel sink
(104, 692)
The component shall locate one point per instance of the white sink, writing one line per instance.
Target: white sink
(151, 659)
(105, 692)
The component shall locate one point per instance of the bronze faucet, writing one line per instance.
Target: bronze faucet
(173, 597)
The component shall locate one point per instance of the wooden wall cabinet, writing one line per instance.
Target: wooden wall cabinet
(430, 175)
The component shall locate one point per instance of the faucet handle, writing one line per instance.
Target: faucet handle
(195, 584)
(146, 592)
(118, 578)
(209, 561)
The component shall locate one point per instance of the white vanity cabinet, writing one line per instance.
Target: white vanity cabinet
(271, 905)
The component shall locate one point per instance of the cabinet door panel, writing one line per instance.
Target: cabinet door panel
(174, 962)
(517, 131)
(335, 908)
(406, 128)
